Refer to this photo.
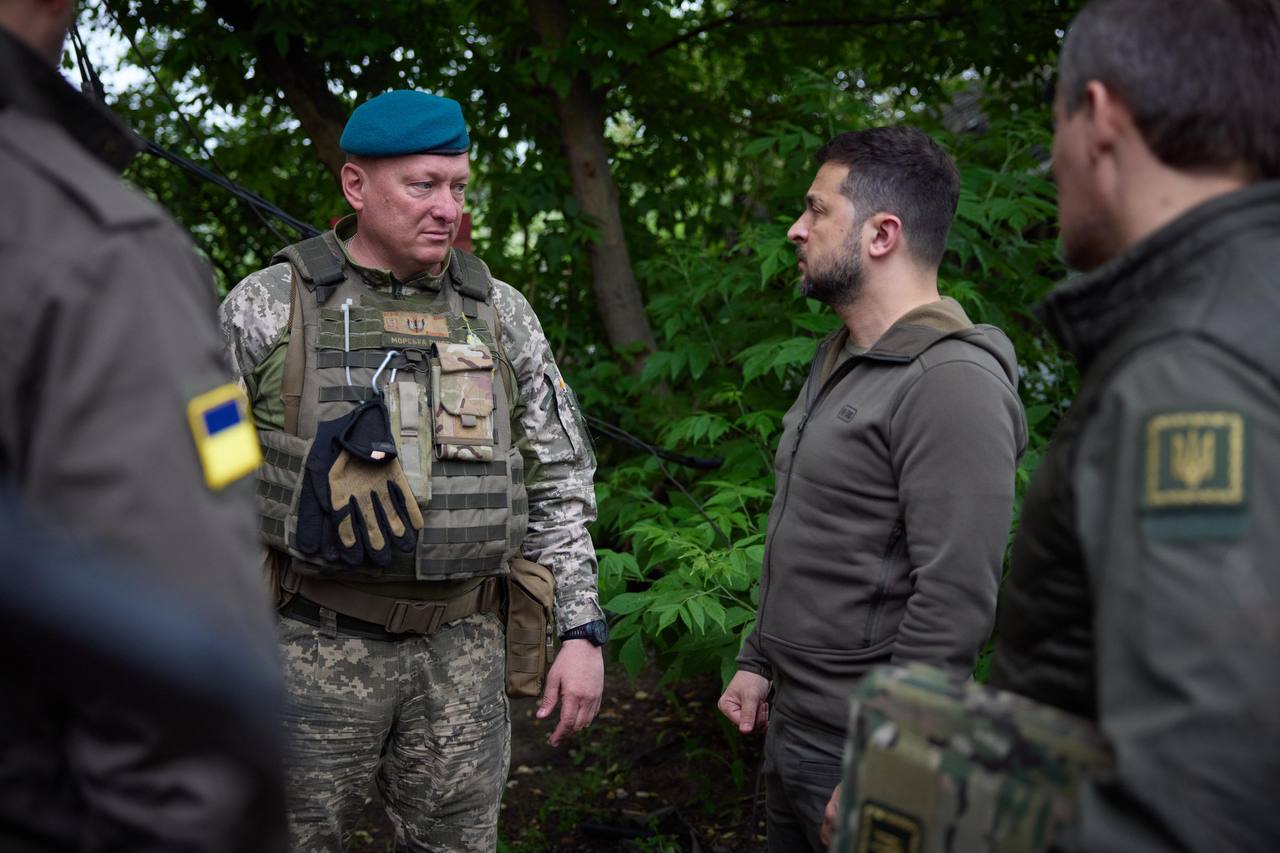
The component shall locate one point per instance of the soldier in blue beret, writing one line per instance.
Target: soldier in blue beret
(415, 587)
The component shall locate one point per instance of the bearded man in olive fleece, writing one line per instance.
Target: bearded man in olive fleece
(895, 471)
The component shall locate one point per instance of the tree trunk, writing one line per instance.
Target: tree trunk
(582, 121)
(321, 113)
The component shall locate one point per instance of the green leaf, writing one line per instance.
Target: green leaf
(631, 655)
(627, 602)
(698, 613)
(699, 359)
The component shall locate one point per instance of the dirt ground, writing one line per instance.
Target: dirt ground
(654, 772)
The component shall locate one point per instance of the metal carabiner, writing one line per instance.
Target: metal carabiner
(390, 355)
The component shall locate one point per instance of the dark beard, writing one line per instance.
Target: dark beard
(838, 284)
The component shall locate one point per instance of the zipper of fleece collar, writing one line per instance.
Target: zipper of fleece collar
(811, 403)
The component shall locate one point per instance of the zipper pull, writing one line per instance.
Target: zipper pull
(804, 419)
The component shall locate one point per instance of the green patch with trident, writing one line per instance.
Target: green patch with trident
(1194, 476)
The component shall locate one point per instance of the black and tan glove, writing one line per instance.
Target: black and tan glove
(368, 491)
(356, 502)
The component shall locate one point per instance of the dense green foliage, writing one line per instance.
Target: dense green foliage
(737, 339)
(713, 112)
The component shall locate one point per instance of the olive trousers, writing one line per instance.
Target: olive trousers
(801, 769)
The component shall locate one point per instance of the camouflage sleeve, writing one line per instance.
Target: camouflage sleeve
(253, 315)
(1178, 488)
(559, 463)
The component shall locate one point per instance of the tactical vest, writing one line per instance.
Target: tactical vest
(433, 356)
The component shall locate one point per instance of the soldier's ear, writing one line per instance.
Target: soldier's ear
(1108, 117)
(355, 184)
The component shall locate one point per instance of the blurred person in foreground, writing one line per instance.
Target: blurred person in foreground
(895, 472)
(121, 437)
(1144, 583)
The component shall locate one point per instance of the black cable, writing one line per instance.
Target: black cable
(660, 453)
(88, 74)
(248, 196)
(173, 102)
(706, 463)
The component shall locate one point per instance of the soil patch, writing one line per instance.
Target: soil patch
(658, 770)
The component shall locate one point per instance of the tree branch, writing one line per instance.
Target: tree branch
(744, 21)
(321, 113)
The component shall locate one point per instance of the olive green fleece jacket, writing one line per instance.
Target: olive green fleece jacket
(894, 494)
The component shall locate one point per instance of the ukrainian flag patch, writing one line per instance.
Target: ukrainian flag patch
(226, 441)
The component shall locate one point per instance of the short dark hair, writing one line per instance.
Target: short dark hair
(900, 170)
(1201, 77)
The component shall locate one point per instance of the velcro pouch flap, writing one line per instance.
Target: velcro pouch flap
(466, 380)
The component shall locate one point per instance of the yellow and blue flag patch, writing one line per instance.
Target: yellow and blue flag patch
(226, 441)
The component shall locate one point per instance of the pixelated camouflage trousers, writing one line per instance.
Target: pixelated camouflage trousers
(424, 718)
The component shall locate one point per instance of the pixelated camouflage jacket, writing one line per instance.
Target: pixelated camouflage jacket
(559, 461)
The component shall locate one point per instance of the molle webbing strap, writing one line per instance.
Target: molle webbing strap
(462, 535)
(274, 493)
(469, 277)
(372, 359)
(320, 268)
(346, 394)
(272, 527)
(295, 361)
(458, 468)
(461, 565)
(277, 458)
(470, 500)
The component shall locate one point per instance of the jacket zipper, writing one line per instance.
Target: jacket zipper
(877, 600)
(836, 375)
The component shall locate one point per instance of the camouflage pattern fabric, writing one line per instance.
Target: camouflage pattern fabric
(464, 402)
(936, 764)
(549, 428)
(436, 704)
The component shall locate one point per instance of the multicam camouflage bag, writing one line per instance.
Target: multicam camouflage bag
(462, 386)
(937, 764)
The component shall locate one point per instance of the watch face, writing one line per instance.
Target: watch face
(596, 632)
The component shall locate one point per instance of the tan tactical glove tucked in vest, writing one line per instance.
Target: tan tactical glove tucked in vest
(379, 493)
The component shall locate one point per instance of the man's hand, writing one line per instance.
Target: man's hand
(829, 817)
(576, 680)
(744, 702)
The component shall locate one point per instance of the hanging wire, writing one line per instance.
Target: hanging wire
(660, 453)
(244, 194)
(145, 60)
(88, 73)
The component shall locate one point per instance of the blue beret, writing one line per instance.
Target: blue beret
(405, 122)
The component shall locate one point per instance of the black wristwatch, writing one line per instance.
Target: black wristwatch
(597, 633)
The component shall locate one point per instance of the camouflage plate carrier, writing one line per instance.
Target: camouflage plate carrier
(433, 355)
(935, 764)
